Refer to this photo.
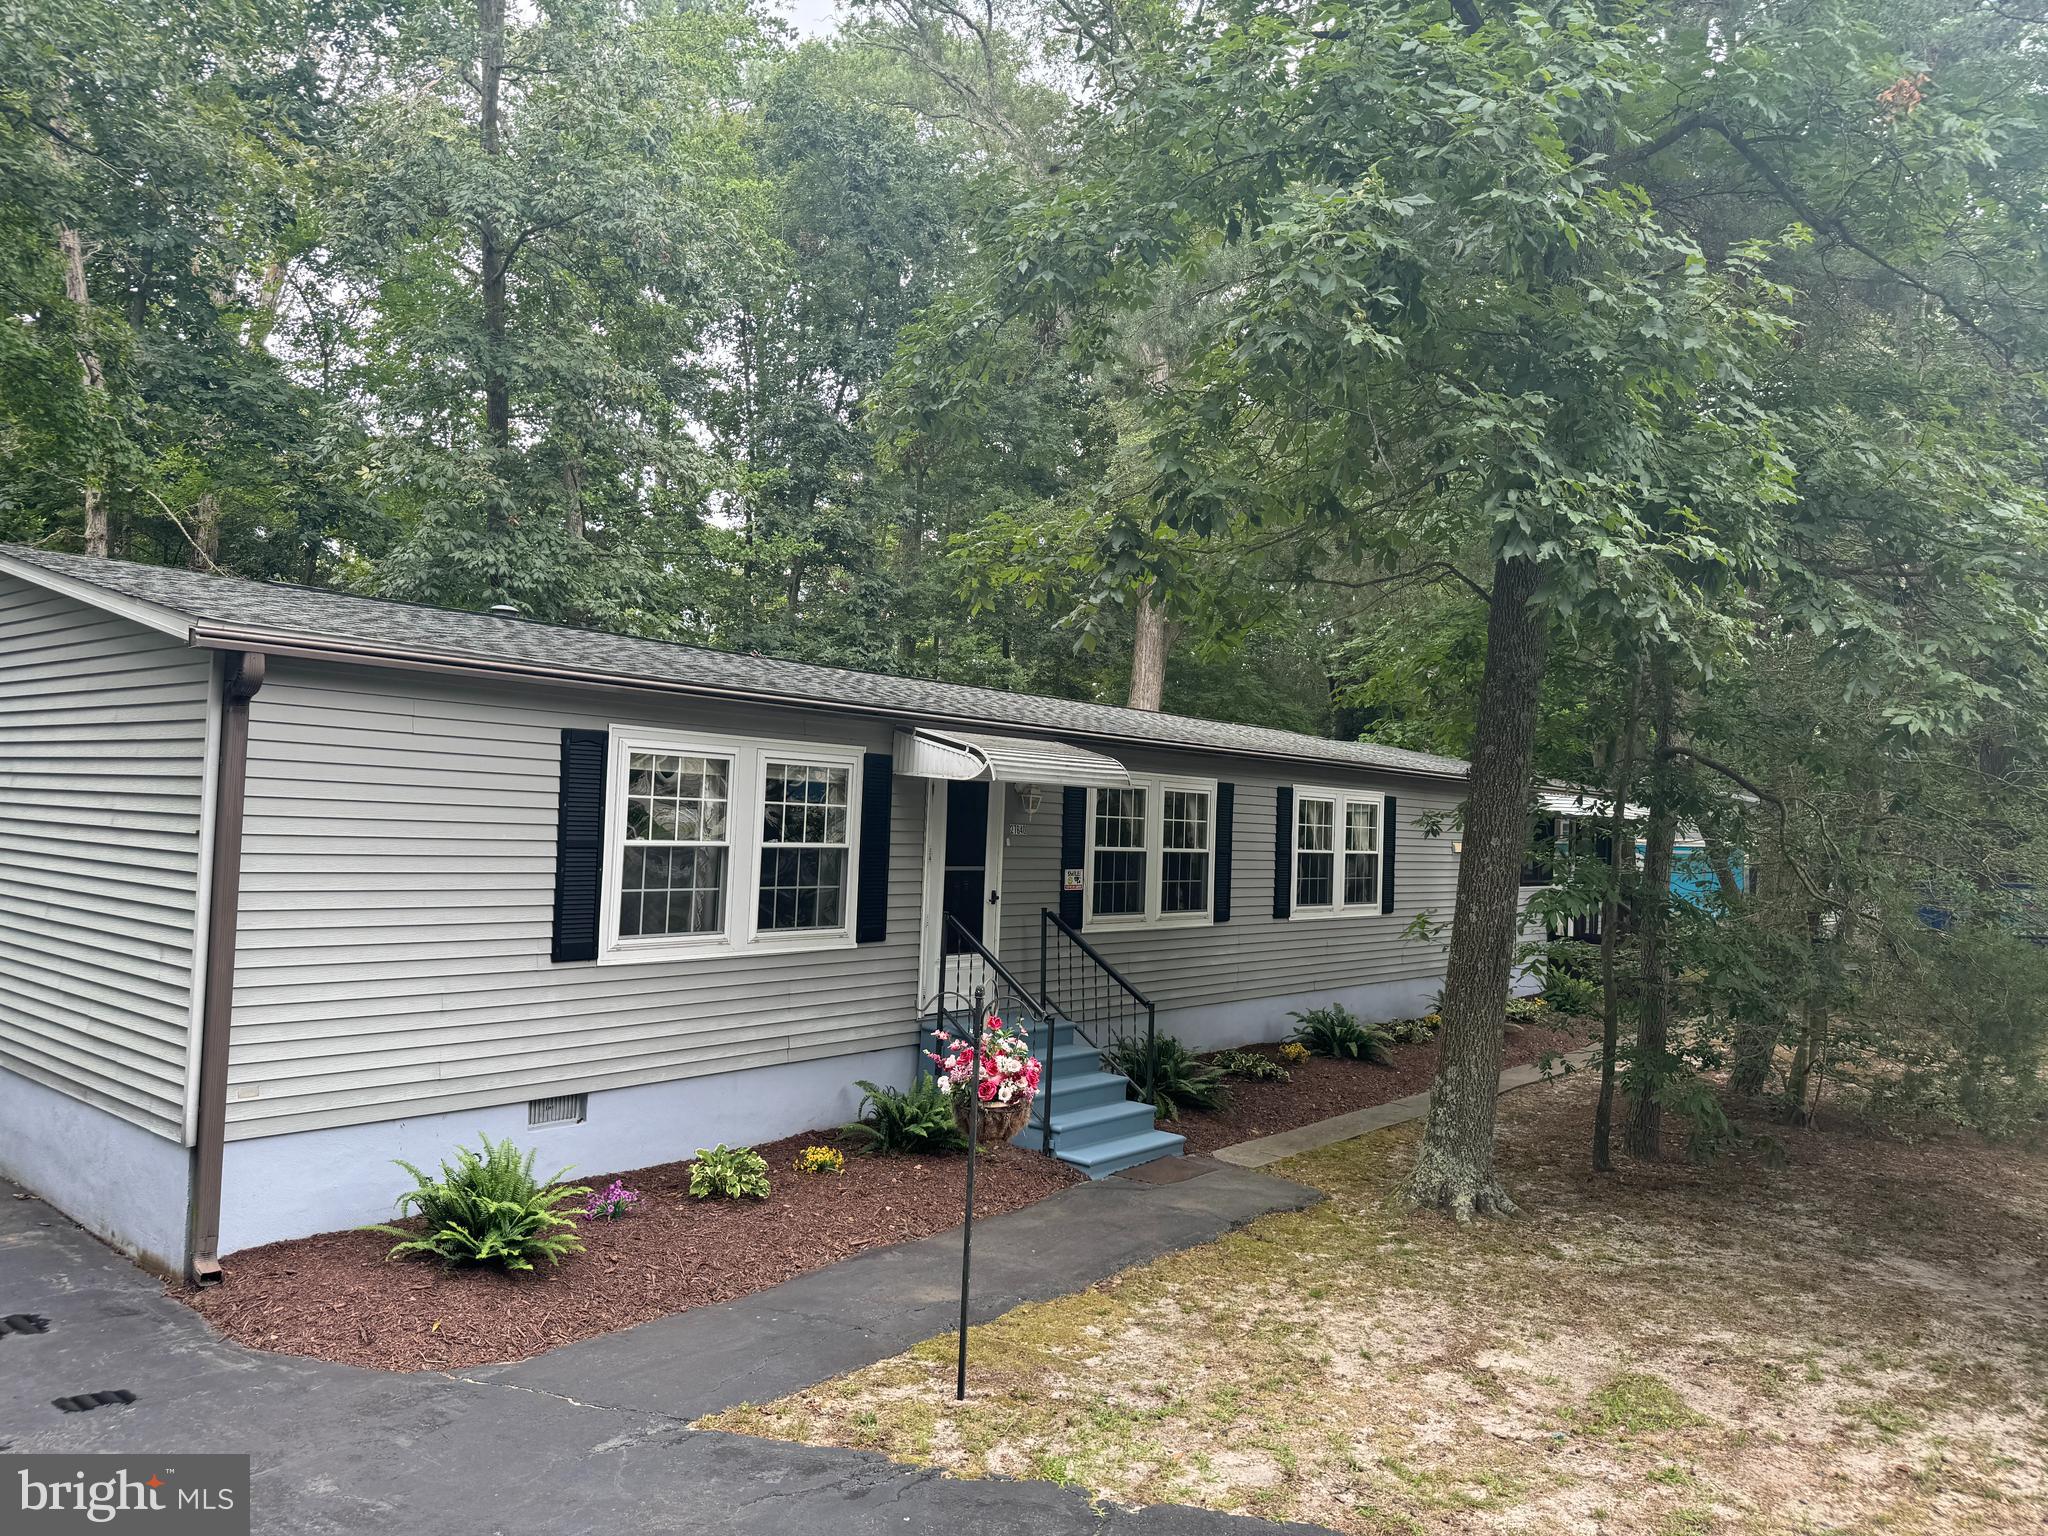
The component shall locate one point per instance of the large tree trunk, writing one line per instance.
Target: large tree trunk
(1151, 641)
(1620, 857)
(205, 554)
(490, 16)
(1757, 1025)
(1815, 1032)
(572, 495)
(98, 536)
(1653, 996)
(1454, 1167)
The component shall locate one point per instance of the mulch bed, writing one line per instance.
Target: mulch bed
(335, 1297)
(1320, 1088)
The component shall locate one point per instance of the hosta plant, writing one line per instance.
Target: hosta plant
(487, 1208)
(917, 1119)
(1250, 1066)
(1412, 1031)
(729, 1173)
(1339, 1033)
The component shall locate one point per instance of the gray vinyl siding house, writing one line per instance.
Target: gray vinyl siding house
(416, 828)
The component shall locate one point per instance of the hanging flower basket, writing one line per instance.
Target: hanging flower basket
(999, 1122)
(1006, 1079)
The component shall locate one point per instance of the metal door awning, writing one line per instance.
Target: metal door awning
(927, 753)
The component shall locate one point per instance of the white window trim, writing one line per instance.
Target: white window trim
(1155, 787)
(742, 933)
(1339, 800)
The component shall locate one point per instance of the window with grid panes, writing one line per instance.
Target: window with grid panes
(1116, 883)
(804, 848)
(1183, 851)
(1361, 853)
(1315, 858)
(677, 856)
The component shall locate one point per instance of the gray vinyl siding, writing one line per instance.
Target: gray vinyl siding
(397, 907)
(103, 735)
(1252, 956)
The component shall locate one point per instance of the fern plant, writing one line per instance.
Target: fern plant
(917, 1120)
(1571, 994)
(487, 1208)
(1337, 1032)
(729, 1173)
(1182, 1080)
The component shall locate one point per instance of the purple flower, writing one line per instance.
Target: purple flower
(613, 1200)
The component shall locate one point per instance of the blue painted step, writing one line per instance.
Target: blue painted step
(1096, 1125)
(1104, 1158)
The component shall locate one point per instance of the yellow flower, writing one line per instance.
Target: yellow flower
(820, 1160)
(1294, 1051)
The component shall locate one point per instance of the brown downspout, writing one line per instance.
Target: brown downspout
(202, 1238)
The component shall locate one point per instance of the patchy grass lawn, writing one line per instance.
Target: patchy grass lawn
(1854, 1342)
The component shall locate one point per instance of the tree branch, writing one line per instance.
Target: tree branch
(1776, 802)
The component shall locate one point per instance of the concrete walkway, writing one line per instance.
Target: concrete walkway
(594, 1436)
(1376, 1117)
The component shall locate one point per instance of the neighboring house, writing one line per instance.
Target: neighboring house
(1569, 819)
(295, 883)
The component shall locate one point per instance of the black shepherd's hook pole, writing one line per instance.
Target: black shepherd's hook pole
(967, 1227)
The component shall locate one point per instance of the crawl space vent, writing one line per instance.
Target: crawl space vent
(562, 1109)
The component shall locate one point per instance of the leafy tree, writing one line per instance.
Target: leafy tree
(160, 181)
(527, 231)
(1450, 334)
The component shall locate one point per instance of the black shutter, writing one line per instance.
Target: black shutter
(579, 843)
(1390, 821)
(1283, 852)
(871, 898)
(1226, 814)
(1073, 849)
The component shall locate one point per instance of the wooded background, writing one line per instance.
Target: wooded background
(1260, 360)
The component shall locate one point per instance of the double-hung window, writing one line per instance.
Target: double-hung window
(1116, 878)
(1337, 852)
(677, 851)
(1151, 852)
(804, 846)
(1315, 860)
(1186, 827)
(1361, 853)
(721, 844)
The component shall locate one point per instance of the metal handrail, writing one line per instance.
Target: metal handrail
(1049, 919)
(1034, 1001)
(1094, 954)
(1037, 1002)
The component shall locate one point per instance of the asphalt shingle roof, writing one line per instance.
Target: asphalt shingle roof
(215, 604)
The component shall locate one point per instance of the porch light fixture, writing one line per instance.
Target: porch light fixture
(1029, 797)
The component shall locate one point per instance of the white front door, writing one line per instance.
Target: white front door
(963, 879)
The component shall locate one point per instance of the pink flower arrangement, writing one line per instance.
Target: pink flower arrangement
(611, 1201)
(1009, 1072)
